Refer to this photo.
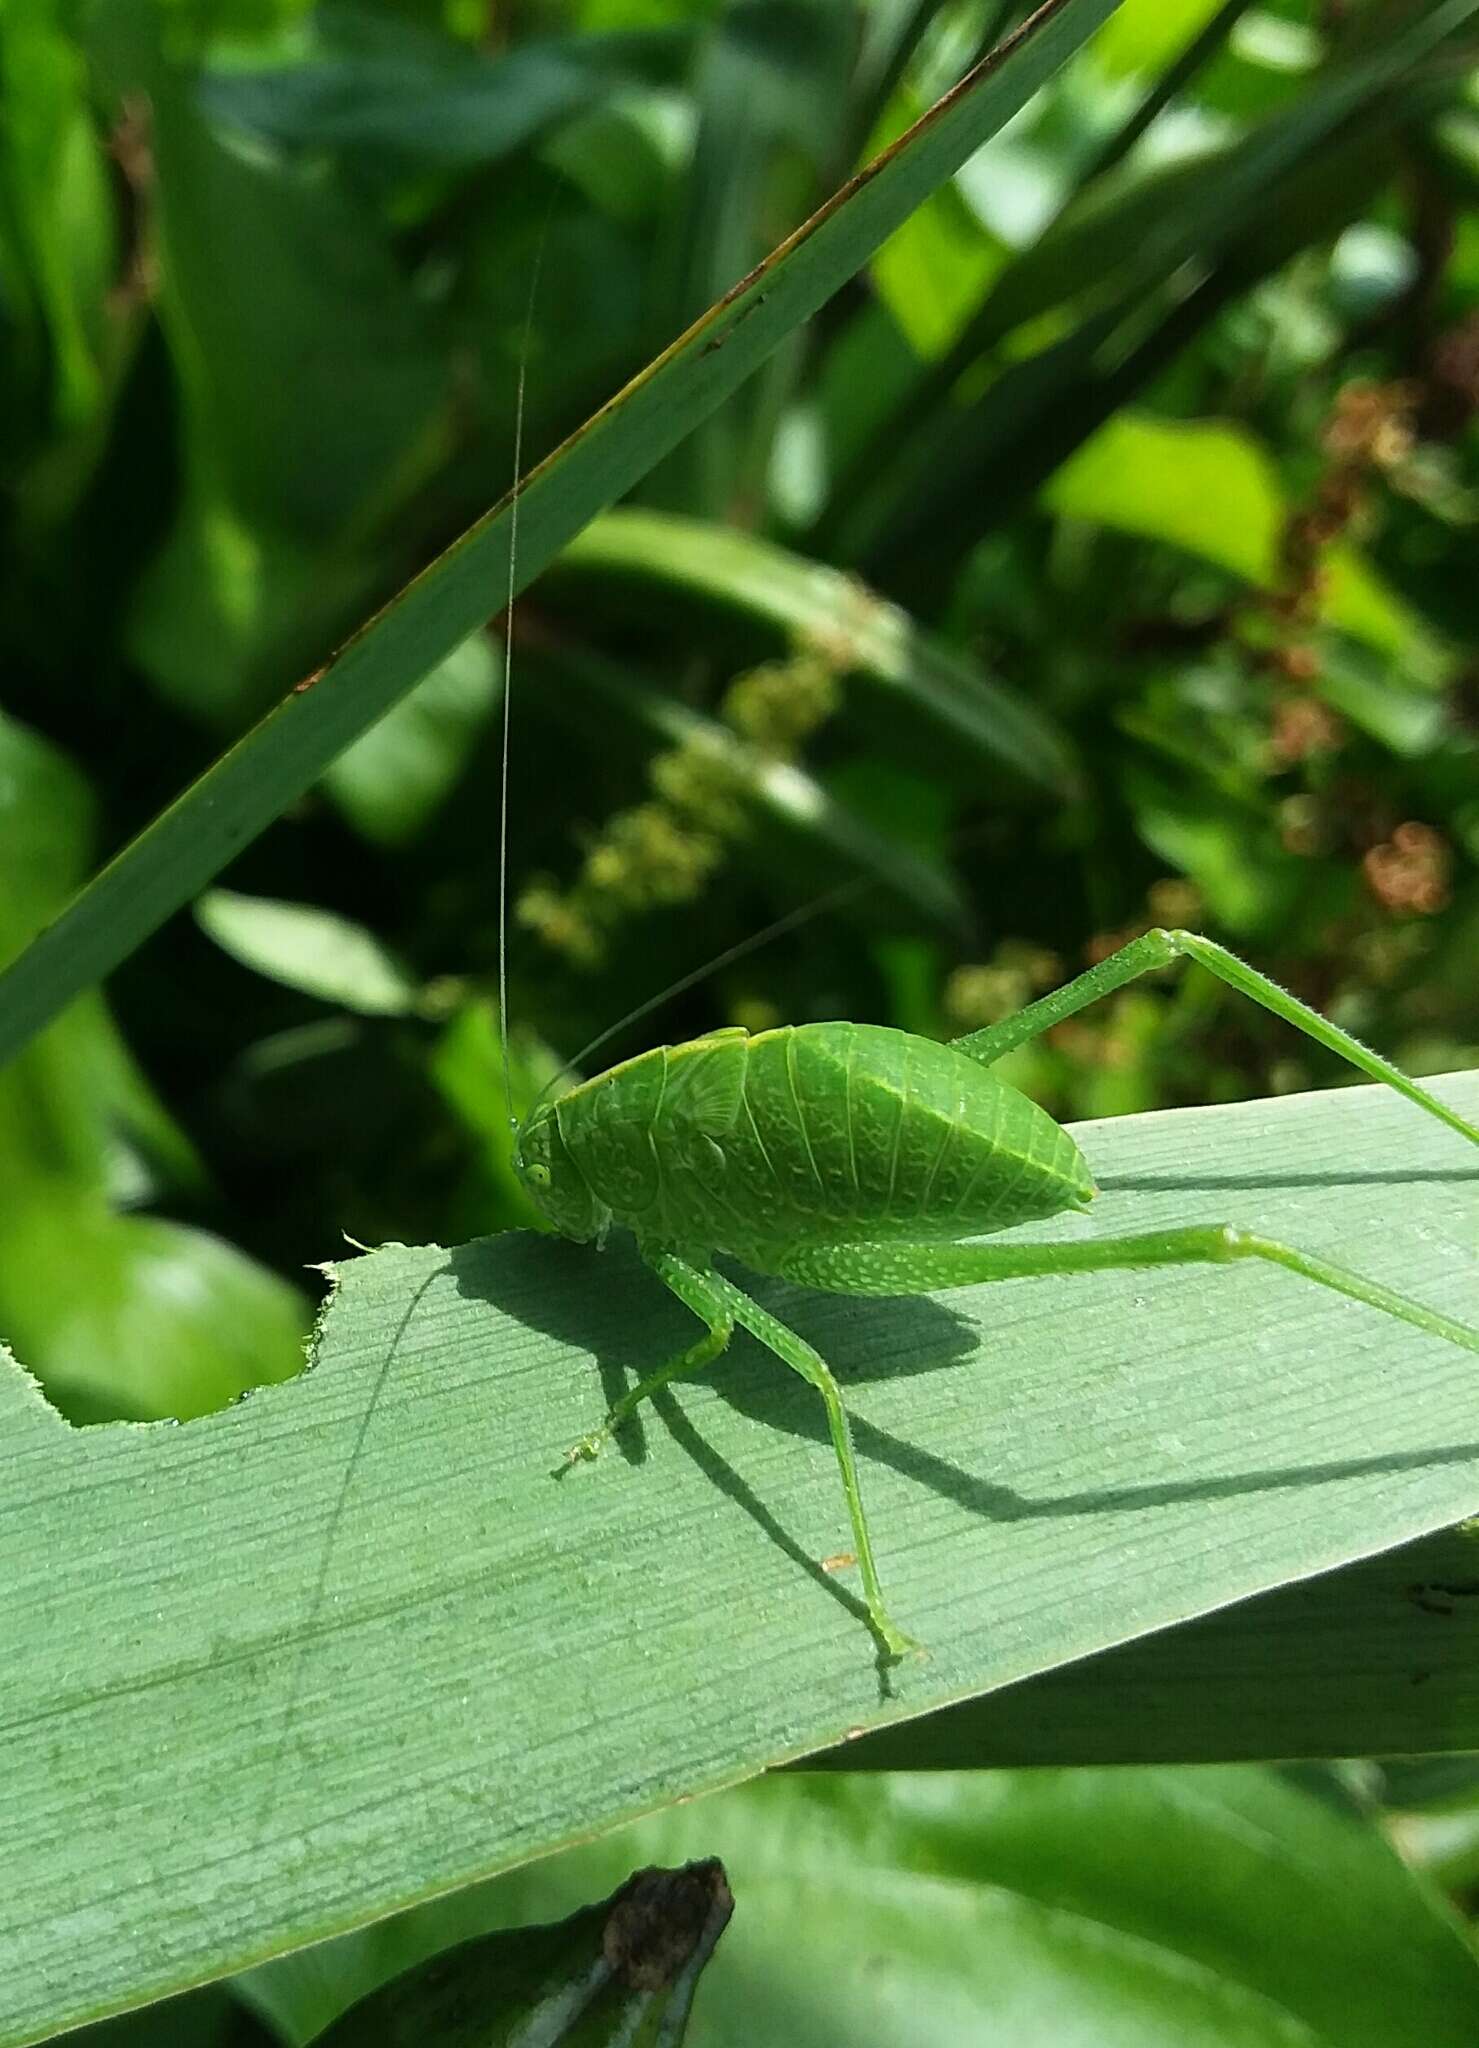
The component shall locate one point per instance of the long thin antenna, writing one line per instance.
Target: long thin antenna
(841, 892)
(803, 914)
(508, 664)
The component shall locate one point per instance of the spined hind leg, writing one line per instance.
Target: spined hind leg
(888, 1269)
(1160, 949)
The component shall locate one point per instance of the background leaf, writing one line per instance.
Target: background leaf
(1207, 487)
(1125, 1907)
(755, 586)
(125, 1314)
(310, 949)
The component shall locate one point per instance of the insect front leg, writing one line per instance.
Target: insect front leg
(889, 1269)
(1160, 949)
(696, 1289)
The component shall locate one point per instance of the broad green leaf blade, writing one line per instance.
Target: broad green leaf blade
(618, 1975)
(1232, 1908)
(1330, 1666)
(1150, 33)
(304, 1662)
(175, 857)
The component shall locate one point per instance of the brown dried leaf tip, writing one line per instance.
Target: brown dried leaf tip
(660, 1918)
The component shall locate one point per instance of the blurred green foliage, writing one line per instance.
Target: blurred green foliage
(1233, 1907)
(1152, 434)
(1117, 529)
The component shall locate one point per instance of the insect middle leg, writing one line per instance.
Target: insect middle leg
(890, 1269)
(1159, 949)
(721, 1305)
(799, 1355)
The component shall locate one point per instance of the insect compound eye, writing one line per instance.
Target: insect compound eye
(540, 1176)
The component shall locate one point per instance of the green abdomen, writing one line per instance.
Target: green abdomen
(816, 1134)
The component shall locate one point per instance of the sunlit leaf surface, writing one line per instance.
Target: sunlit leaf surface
(295, 1665)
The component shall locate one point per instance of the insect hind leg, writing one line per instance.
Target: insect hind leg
(1160, 949)
(891, 1269)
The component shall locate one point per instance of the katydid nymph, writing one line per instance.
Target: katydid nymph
(858, 1159)
(861, 1159)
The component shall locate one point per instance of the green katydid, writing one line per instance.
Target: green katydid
(859, 1159)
